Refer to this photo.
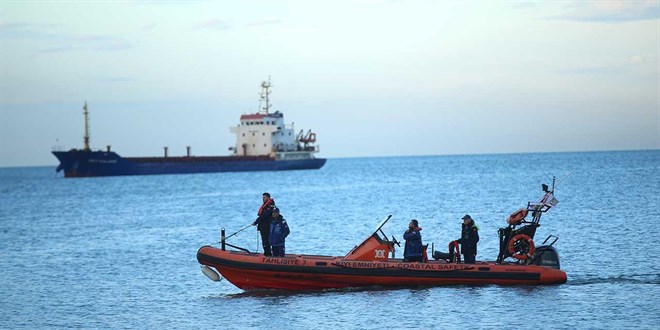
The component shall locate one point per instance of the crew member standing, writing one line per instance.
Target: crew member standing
(279, 230)
(413, 248)
(469, 239)
(263, 221)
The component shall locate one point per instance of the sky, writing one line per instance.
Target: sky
(371, 78)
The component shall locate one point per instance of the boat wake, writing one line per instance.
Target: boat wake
(621, 279)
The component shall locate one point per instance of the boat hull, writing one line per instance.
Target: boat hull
(80, 163)
(250, 271)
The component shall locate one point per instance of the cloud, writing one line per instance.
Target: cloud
(635, 59)
(613, 11)
(590, 70)
(213, 24)
(103, 43)
(148, 27)
(51, 41)
(265, 21)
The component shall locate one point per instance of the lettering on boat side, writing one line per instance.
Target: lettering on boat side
(423, 266)
(285, 261)
(405, 265)
(362, 264)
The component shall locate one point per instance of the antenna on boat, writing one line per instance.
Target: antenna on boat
(86, 138)
(264, 95)
(562, 180)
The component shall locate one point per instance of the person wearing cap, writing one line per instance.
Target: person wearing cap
(265, 215)
(279, 230)
(469, 239)
(413, 248)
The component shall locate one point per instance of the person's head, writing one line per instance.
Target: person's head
(413, 224)
(276, 212)
(265, 196)
(466, 219)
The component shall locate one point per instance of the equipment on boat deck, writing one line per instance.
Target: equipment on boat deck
(519, 242)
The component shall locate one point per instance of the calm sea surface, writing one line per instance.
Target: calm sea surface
(120, 252)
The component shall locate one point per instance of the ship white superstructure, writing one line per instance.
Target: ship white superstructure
(266, 134)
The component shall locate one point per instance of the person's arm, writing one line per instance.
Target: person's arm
(285, 229)
(411, 234)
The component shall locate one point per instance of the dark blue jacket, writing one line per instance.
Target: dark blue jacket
(469, 238)
(279, 230)
(413, 246)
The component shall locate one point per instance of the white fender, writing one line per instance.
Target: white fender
(210, 273)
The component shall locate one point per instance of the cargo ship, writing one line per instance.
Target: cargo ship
(263, 143)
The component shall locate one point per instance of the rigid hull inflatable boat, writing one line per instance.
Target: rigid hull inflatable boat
(369, 263)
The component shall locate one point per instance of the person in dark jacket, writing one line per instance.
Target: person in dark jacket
(279, 230)
(469, 239)
(265, 215)
(413, 248)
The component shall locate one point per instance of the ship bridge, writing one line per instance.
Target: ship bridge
(266, 134)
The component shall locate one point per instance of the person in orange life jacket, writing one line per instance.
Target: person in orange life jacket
(469, 239)
(413, 248)
(279, 230)
(265, 215)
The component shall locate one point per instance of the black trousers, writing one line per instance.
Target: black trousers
(265, 243)
(469, 258)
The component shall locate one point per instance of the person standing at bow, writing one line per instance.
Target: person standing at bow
(279, 230)
(265, 216)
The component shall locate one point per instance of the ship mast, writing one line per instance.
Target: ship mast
(264, 95)
(86, 138)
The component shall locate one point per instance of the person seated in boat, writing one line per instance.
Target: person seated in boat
(262, 222)
(469, 239)
(413, 248)
(279, 230)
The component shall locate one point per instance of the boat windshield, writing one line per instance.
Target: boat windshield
(381, 224)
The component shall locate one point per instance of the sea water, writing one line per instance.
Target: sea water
(120, 252)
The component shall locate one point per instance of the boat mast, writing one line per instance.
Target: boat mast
(264, 95)
(86, 113)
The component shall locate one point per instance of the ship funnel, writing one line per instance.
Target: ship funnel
(108, 146)
(165, 148)
(187, 151)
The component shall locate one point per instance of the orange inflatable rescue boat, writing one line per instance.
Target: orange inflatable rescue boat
(369, 263)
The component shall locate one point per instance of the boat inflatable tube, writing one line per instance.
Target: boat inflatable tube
(516, 217)
(210, 273)
(521, 255)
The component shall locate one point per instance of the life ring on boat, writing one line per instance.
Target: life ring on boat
(516, 217)
(517, 251)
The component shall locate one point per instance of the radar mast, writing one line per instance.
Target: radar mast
(264, 95)
(86, 138)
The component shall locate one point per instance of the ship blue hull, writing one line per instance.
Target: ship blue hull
(80, 163)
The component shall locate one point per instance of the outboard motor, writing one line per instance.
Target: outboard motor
(546, 255)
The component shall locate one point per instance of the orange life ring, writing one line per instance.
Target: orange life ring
(517, 217)
(521, 256)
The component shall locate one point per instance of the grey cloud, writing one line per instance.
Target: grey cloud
(599, 70)
(628, 11)
(265, 21)
(213, 24)
(53, 41)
